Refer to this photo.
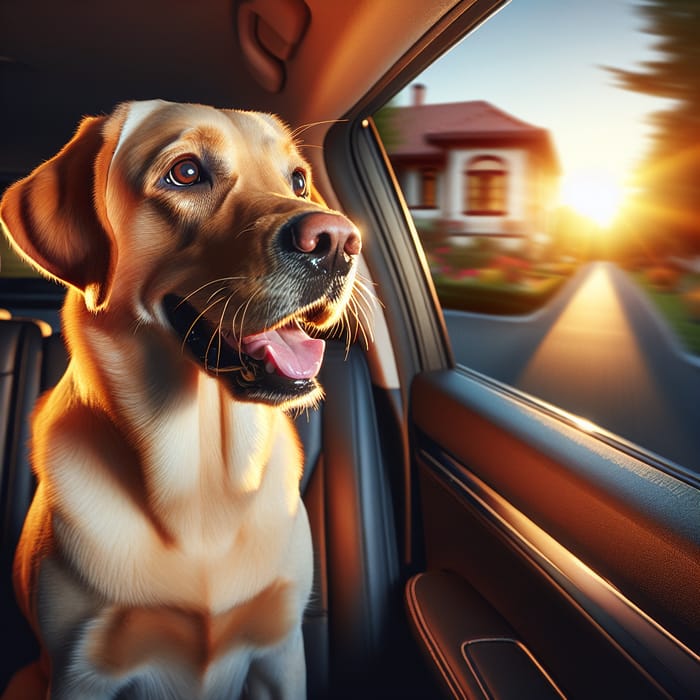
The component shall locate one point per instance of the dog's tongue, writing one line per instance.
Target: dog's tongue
(290, 350)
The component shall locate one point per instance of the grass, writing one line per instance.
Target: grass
(673, 306)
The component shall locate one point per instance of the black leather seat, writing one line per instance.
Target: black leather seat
(350, 627)
(21, 360)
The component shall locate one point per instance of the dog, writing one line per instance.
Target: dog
(167, 552)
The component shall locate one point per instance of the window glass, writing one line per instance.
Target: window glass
(11, 265)
(555, 186)
(428, 200)
(486, 188)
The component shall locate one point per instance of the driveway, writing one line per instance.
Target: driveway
(598, 350)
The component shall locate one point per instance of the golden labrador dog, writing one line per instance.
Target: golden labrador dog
(167, 552)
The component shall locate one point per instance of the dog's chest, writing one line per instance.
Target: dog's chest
(211, 517)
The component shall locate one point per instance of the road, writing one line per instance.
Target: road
(598, 350)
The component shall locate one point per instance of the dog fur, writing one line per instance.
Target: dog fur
(167, 552)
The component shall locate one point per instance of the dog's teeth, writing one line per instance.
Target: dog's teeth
(269, 368)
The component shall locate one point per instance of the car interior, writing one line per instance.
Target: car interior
(469, 540)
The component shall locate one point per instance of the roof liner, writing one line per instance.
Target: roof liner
(61, 61)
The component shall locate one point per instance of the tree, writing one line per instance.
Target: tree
(670, 175)
(384, 120)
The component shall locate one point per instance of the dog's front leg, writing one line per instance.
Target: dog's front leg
(74, 676)
(67, 615)
(81, 684)
(280, 673)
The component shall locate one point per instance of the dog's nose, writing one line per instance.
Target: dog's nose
(329, 241)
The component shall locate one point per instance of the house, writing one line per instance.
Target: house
(473, 171)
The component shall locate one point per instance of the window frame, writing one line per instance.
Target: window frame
(484, 189)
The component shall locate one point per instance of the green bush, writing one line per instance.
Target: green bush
(491, 298)
(677, 309)
(663, 278)
(691, 299)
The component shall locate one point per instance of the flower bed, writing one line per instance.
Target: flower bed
(482, 280)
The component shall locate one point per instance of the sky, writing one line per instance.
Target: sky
(541, 61)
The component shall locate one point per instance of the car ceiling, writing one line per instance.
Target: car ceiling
(62, 60)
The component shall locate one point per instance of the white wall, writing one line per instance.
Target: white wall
(408, 181)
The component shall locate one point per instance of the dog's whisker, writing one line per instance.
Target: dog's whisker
(218, 291)
(242, 308)
(136, 325)
(215, 332)
(363, 321)
(241, 334)
(247, 229)
(235, 316)
(229, 370)
(211, 338)
(267, 314)
(358, 329)
(235, 335)
(346, 330)
(219, 329)
(207, 284)
(343, 329)
(364, 317)
(200, 315)
(364, 302)
(245, 369)
(364, 288)
(305, 127)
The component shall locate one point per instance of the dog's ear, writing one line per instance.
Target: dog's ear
(56, 219)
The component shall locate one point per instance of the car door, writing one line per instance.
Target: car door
(546, 556)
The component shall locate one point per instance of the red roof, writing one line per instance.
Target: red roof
(421, 131)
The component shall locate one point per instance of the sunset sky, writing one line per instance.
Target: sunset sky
(540, 60)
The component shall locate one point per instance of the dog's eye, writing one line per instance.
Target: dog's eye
(299, 184)
(184, 173)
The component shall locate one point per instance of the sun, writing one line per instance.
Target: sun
(597, 194)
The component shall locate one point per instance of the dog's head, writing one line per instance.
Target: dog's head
(198, 222)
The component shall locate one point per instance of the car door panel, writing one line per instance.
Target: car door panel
(590, 555)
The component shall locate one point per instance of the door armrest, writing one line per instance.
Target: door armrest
(472, 648)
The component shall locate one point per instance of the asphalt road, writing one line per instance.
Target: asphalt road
(598, 350)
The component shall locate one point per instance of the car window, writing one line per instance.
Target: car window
(550, 166)
(11, 266)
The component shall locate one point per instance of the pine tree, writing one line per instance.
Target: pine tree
(670, 176)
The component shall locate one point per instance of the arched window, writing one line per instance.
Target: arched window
(485, 181)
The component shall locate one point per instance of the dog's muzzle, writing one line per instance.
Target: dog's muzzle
(279, 364)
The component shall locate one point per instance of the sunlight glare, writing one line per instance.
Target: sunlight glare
(597, 195)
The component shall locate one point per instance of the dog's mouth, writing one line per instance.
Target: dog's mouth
(276, 366)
